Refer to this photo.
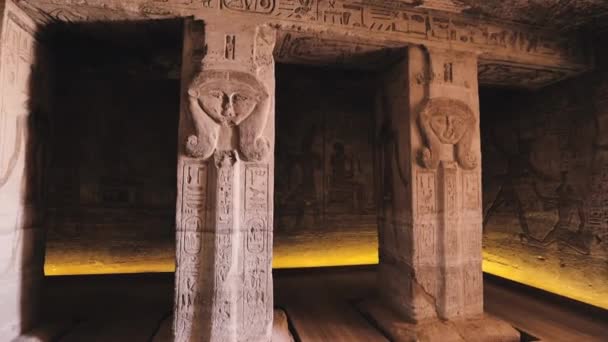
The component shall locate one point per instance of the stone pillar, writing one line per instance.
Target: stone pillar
(430, 222)
(225, 184)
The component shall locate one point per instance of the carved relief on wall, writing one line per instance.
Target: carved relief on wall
(194, 197)
(189, 244)
(255, 6)
(551, 180)
(229, 110)
(450, 191)
(426, 193)
(223, 310)
(471, 190)
(187, 300)
(324, 152)
(256, 188)
(448, 122)
(257, 305)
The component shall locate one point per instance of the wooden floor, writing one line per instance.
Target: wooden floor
(319, 304)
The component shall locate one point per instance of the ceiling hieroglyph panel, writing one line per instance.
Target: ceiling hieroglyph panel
(369, 29)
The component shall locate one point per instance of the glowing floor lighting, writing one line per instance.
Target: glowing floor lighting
(310, 249)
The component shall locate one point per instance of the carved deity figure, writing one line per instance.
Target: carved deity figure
(229, 110)
(447, 122)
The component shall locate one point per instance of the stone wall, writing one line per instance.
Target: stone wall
(113, 163)
(324, 177)
(545, 165)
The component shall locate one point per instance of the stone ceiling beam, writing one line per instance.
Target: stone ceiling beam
(408, 22)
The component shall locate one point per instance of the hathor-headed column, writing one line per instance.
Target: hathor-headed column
(430, 220)
(225, 184)
(446, 181)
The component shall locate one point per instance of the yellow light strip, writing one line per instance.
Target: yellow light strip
(322, 250)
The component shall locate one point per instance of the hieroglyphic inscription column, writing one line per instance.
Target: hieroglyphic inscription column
(225, 184)
(430, 222)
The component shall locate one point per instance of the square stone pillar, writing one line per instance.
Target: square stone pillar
(24, 101)
(225, 184)
(430, 219)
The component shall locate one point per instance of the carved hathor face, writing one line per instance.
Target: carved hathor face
(447, 121)
(449, 125)
(228, 97)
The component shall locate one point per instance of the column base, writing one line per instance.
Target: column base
(480, 329)
(280, 327)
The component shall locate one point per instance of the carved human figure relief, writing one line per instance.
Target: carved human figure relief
(229, 110)
(450, 122)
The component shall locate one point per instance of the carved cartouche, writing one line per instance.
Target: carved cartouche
(447, 121)
(228, 102)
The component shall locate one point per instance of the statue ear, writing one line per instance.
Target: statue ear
(464, 155)
(466, 158)
(193, 93)
(252, 144)
(429, 155)
(203, 143)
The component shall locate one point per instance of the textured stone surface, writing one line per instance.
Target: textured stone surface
(280, 327)
(362, 31)
(225, 181)
(545, 182)
(563, 14)
(430, 222)
(324, 151)
(427, 109)
(483, 328)
(24, 105)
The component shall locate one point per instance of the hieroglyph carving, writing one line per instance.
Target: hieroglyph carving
(255, 6)
(426, 193)
(402, 18)
(223, 302)
(448, 121)
(230, 47)
(472, 192)
(257, 306)
(256, 188)
(450, 192)
(229, 109)
(189, 242)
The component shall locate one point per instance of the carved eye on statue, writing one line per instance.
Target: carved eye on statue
(213, 103)
(243, 105)
(449, 128)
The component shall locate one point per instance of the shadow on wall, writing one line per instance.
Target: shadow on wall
(545, 173)
(45, 141)
(546, 170)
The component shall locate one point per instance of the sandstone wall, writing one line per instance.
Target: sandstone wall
(545, 165)
(324, 175)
